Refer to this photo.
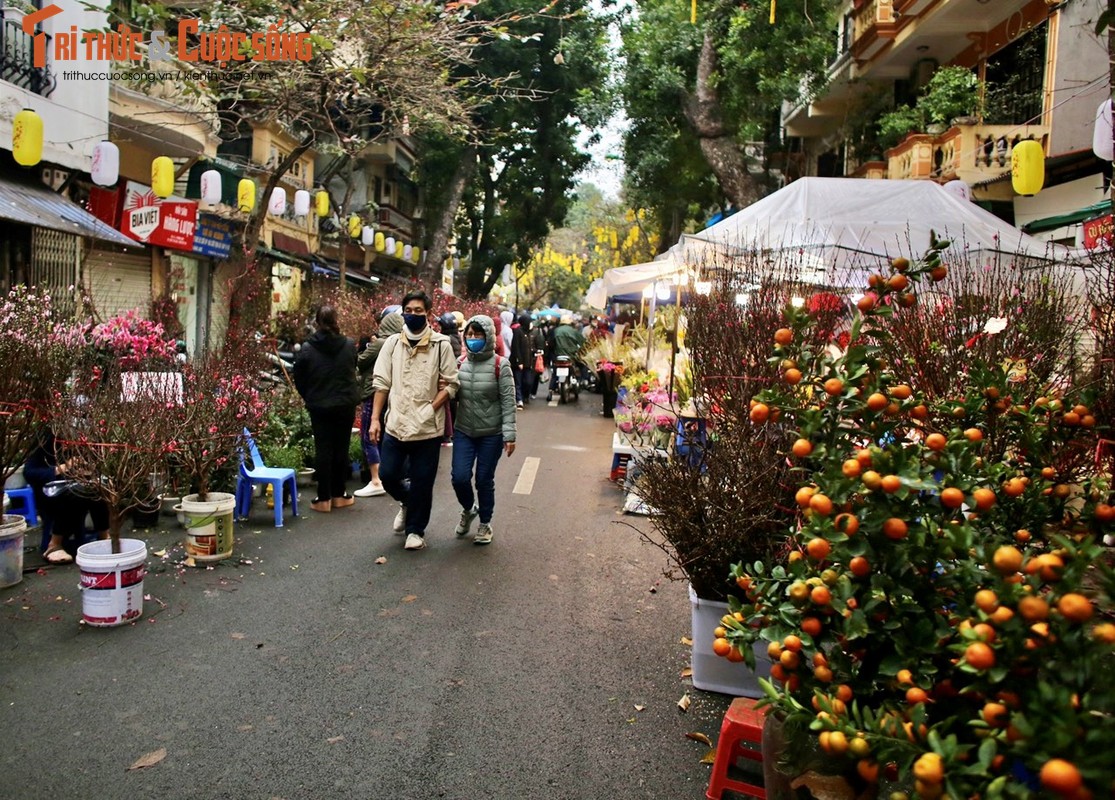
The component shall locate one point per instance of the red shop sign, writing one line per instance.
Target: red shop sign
(151, 220)
(1097, 231)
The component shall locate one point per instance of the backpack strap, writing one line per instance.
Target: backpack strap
(495, 360)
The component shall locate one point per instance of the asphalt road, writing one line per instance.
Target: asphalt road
(508, 671)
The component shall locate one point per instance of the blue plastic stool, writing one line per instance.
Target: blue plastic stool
(26, 497)
(278, 477)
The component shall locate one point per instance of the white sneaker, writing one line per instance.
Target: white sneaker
(400, 523)
(483, 534)
(467, 517)
(373, 489)
(414, 542)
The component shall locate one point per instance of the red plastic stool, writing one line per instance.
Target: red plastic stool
(619, 466)
(743, 723)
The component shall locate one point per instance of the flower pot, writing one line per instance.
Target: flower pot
(147, 516)
(170, 505)
(304, 478)
(16, 480)
(209, 526)
(181, 515)
(712, 673)
(111, 583)
(12, 528)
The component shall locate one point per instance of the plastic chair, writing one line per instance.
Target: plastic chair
(742, 723)
(26, 497)
(279, 478)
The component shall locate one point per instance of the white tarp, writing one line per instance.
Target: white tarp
(595, 296)
(842, 224)
(633, 279)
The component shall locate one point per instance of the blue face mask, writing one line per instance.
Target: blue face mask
(475, 345)
(416, 323)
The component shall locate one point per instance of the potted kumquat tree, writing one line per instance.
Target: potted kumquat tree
(942, 626)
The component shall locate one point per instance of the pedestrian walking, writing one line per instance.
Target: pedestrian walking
(522, 361)
(389, 325)
(325, 376)
(485, 426)
(415, 376)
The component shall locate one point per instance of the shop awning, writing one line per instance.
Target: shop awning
(39, 206)
(286, 258)
(323, 268)
(1071, 218)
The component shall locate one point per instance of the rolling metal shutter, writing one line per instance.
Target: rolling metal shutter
(118, 281)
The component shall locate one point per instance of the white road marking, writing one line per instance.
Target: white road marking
(525, 483)
(572, 448)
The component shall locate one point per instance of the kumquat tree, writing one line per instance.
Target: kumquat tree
(943, 625)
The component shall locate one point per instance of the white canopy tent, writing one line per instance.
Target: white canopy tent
(836, 226)
(632, 280)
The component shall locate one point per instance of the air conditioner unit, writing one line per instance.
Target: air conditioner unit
(54, 178)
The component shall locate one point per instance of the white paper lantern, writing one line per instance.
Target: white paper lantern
(960, 190)
(301, 203)
(407, 249)
(390, 243)
(277, 204)
(1101, 135)
(211, 186)
(367, 236)
(106, 164)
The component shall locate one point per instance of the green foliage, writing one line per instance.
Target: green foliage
(285, 427)
(895, 125)
(951, 92)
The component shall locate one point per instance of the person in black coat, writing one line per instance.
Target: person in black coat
(448, 324)
(522, 359)
(325, 376)
(63, 509)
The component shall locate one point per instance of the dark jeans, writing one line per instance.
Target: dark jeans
(484, 453)
(526, 379)
(332, 430)
(517, 377)
(371, 449)
(418, 461)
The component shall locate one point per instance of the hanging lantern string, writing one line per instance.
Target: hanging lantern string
(773, 7)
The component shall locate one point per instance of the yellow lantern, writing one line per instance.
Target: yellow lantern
(355, 226)
(27, 138)
(415, 253)
(162, 176)
(321, 200)
(381, 242)
(246, 195)
(1027, 167)
(399, 246)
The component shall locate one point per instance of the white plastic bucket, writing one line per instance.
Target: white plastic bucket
(209, 526)
(713, 673)
(12, 528)
(111, 583)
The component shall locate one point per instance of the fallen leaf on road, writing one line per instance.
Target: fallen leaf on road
(687, 672)
(410, 598)
(699, 737)
(190, 561)
(237, 635)
(640, 708)
(684, 702)
(685, 640)
(335, 739)
(294, 566)
(243, 728)
(159, 553)
(709, 757)
(381, 560)
(631, 721)
(149, 760)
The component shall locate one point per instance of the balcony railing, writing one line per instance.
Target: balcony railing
(17, 52)
(971, 153)
(874, 25)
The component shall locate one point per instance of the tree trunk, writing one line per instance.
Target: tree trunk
(115, 522)
(718, 142)
(438, 247)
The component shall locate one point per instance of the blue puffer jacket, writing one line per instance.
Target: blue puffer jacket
(485, 406)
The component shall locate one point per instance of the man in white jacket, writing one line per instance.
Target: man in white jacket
(415, 376)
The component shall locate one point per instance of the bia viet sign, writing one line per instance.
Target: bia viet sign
(151, 220)
(1097, 231)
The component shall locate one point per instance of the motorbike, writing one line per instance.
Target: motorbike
(568, 386)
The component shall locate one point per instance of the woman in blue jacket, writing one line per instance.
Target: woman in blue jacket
(484, 427)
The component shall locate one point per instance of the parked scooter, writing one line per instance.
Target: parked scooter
(568, 385)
